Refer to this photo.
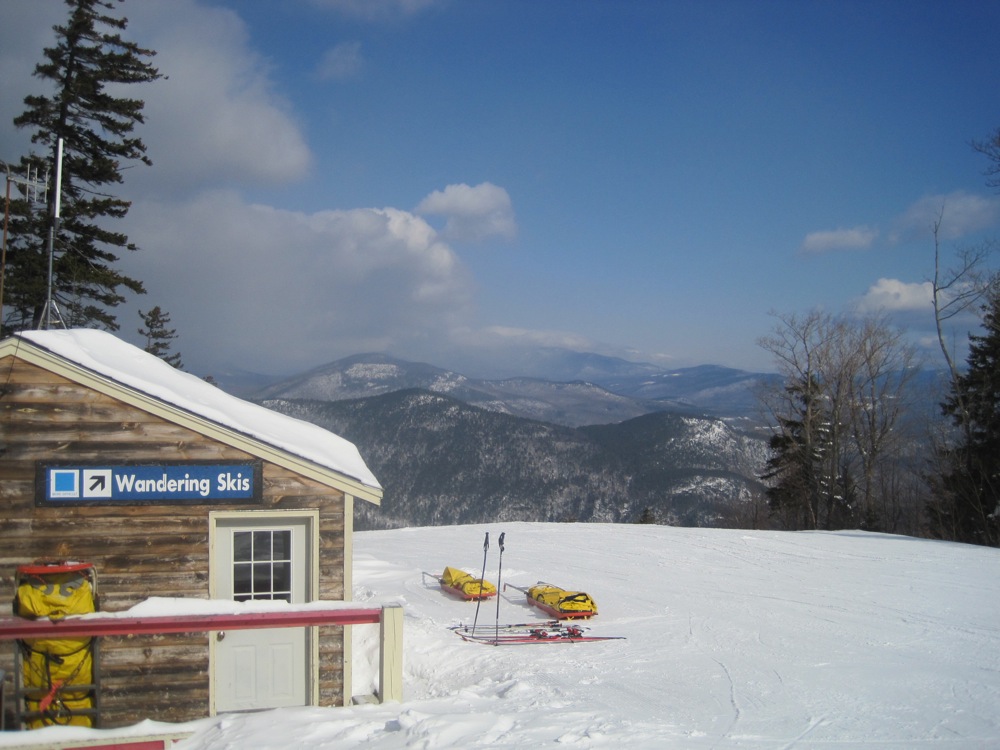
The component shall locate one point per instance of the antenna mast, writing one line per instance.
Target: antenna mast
(51, 308)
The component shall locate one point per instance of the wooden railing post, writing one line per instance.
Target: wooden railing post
(390, 658)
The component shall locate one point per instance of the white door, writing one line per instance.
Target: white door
(261, 558)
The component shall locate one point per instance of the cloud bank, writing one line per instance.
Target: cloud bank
(240, 278)
(216, 118)
(304, 287)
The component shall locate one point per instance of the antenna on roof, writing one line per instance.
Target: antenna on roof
(51, 308)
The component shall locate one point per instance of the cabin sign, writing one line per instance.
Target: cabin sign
(162, 483)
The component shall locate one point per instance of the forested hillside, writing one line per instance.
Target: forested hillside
(442, 461)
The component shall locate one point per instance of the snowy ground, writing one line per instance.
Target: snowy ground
(735, 639)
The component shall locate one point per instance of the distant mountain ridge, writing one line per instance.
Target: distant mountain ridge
(688, 445)
(604, 390)
(442, 461)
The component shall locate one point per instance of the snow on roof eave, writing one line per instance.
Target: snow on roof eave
(145, 381)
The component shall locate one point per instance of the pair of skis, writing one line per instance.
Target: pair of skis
(524, 633)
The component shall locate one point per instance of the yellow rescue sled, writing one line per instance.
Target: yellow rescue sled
(465, 585)
(558, 602)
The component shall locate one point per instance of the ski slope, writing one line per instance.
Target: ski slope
(734, 639)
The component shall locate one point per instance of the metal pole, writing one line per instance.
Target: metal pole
(46, 320)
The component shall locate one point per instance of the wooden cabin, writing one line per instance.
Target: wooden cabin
(172, 488)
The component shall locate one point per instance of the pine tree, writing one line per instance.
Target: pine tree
(971, 481)
(96, 129)
(648, 516)
(798, 452)
(158, 336)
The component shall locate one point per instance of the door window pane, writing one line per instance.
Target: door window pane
(242, 546)
(282, 580)
(281, 546)
(241, 581)
(262, 545)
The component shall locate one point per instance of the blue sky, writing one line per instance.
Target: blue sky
(455, 180)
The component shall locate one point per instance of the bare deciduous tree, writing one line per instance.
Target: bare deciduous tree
(957, 290)
(837, 442)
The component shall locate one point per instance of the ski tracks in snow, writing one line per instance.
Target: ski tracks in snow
(737, 712)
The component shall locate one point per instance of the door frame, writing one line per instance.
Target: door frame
(270, 517)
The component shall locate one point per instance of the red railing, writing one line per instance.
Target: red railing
(388, 617)
(73, 627)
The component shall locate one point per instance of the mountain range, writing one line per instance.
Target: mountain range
(595, 389)
(671, 446)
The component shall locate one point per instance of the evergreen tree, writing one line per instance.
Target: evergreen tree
(971, 480)
(648, 516)
(96, 129)
(798, 453)
(158, 336)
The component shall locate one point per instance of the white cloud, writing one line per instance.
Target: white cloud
(960, 214)
(305, 288)
(341, 61)
(856, 238)
(472, 214)
(216, 117)
(893, 295)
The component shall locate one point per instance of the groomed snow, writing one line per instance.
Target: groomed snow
(735, 639)
(113, 358)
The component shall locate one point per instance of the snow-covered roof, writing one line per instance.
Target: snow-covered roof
(113, 359)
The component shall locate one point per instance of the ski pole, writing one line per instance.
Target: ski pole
(482, 580)
(496, 633)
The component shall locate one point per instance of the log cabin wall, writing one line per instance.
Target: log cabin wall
(139, 551)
